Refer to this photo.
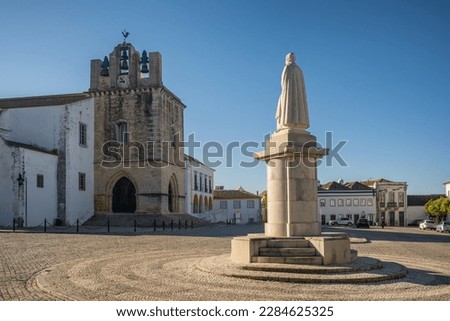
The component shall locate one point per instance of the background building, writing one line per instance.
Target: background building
(199, 186)
(46, 159)
(139, 130)
(447, 189)
(416, 208)
(353, 200)
(236, 206)
(114, 149)
(391, 201)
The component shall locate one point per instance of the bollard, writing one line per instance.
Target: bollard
(14, 224)
(78, 226)
(171, 225)
(135, 225)
(45, 225)
(154, 225)
(109, 226)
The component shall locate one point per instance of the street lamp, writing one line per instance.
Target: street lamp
(20, 180)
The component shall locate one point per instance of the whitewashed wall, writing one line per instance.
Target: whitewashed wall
(415, 213)
(345, 210)
(6, 185)
(52, 128)
(246, 214)
(79, 159)
(40, 203)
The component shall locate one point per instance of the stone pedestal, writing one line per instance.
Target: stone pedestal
(293, 229)
(291, 156)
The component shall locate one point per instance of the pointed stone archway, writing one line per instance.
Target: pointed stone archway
(124, 196)
(172, 193)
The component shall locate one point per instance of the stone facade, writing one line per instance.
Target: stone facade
(392, 201)
(138, 152)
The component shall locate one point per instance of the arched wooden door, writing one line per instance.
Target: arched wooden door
(124, 196)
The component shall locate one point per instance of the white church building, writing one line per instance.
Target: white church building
(46, 159)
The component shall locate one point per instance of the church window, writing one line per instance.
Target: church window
(40, 180)
(81, 181)
(122, 132)
(83, 134)
(195, 181)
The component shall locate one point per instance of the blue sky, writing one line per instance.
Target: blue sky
(377, 73)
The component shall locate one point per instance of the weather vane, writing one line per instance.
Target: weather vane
(125, 34)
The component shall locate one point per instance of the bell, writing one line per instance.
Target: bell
(124, 55)
(124, 65)
(144, 62)
(144, 69)
(144, 57)
(105, 67)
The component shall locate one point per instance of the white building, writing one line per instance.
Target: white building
(447, 189)
(236, 206)
(391, 201)
(46, 159)
(352, 200)
(199, 182)
(416, 207)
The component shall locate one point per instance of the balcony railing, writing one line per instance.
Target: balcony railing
(391, 204)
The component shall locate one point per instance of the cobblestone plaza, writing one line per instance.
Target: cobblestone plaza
(124, 265)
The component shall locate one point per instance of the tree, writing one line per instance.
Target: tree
(438, 208)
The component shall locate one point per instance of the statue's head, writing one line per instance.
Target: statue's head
(290, 58)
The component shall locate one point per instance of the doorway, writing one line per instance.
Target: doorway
(401, 218)
(392, 218)
(124, 196)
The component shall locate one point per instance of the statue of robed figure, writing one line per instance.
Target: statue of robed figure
(292, 110)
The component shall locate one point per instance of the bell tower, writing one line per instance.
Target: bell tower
(126, 69)
(138, 154)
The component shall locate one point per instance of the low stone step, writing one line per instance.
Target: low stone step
(315, 260)
(287, 251)
(288, 243)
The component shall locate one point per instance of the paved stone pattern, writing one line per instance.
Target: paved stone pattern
(150, 266)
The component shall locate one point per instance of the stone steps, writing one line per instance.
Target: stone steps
(288, 251)
(306, 260)
(287, 243)
(362, 270)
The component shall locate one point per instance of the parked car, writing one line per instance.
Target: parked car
(362, 222)
(427, 224)
(341, 221)
(444, 226)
